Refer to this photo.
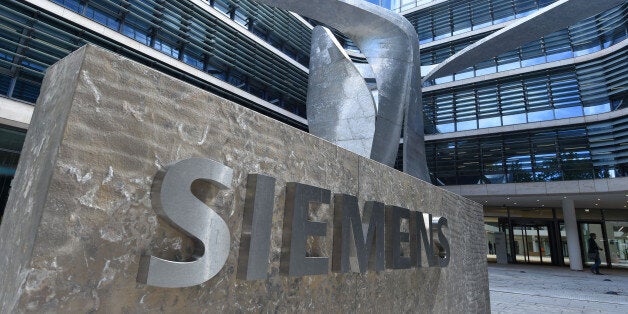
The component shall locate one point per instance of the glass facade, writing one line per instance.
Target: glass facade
(581, 90)
(579, 152)
(537, 235)
(459, 16)
(32, 40)
(588, 36)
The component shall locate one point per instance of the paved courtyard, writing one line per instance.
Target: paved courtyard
(547, 289)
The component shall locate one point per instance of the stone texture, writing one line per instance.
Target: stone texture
(79, 216)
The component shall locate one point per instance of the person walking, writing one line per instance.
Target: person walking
(594, 254)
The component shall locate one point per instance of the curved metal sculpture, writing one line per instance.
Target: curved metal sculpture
(389, 43)
(554, 17)
(340, 106)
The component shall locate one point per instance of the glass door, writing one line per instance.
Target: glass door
(617, 232)
(585, 233)
(520, 244)
(544, 247)
(532, 243)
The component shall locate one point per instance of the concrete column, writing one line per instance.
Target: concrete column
(571, 228)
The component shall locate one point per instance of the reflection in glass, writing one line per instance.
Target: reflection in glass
(617, 233)
(585, 230)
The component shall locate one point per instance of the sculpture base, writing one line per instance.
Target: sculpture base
(79, 216)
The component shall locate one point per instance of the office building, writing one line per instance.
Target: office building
(538, 135)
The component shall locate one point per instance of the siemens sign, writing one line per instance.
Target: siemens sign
(373, 239)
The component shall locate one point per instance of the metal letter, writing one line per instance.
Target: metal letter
(257, 222)
(297, 227)
(444, 254)
(420, 225)
(394, 237)
(173, 200)
(347, 225)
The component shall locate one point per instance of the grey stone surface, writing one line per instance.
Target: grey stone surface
(90, 179)
(551, 289)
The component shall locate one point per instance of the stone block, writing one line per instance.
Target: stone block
(80, 214)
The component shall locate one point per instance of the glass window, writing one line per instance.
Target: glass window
(424, 27)
(193, 56)
(502, 11)
(492, 160)
(480, 13)
(74, 5)
(137, 29)
(103, 16)
(26, 90)
(532, 53)
(598, 108)
(441, 25)
(617, 235)
(445, 109)
(557, 46)
(546, 163)
(512, 103)
(586, 229)
(486, 67)
(461, 16)
(508, 61)
(538, 106)
(524, 7)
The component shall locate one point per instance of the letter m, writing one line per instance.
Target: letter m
(349, 243)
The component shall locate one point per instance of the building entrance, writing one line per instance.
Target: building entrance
(534, 242)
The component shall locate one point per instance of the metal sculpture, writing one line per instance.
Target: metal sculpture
(389, 43)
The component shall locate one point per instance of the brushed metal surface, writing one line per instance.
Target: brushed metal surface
(173, 200)
(340, 106)
(389, 43)
(423, 238)
(351, 242)
(257, 222)
(395, 258)
(297, 228)
(444, 254)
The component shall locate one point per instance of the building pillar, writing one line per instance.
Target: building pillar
(571, 229)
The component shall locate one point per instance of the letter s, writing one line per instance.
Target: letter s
(173, 200)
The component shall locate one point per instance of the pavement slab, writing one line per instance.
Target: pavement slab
(552, 289)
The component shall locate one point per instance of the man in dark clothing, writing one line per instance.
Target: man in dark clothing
(594, 254)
